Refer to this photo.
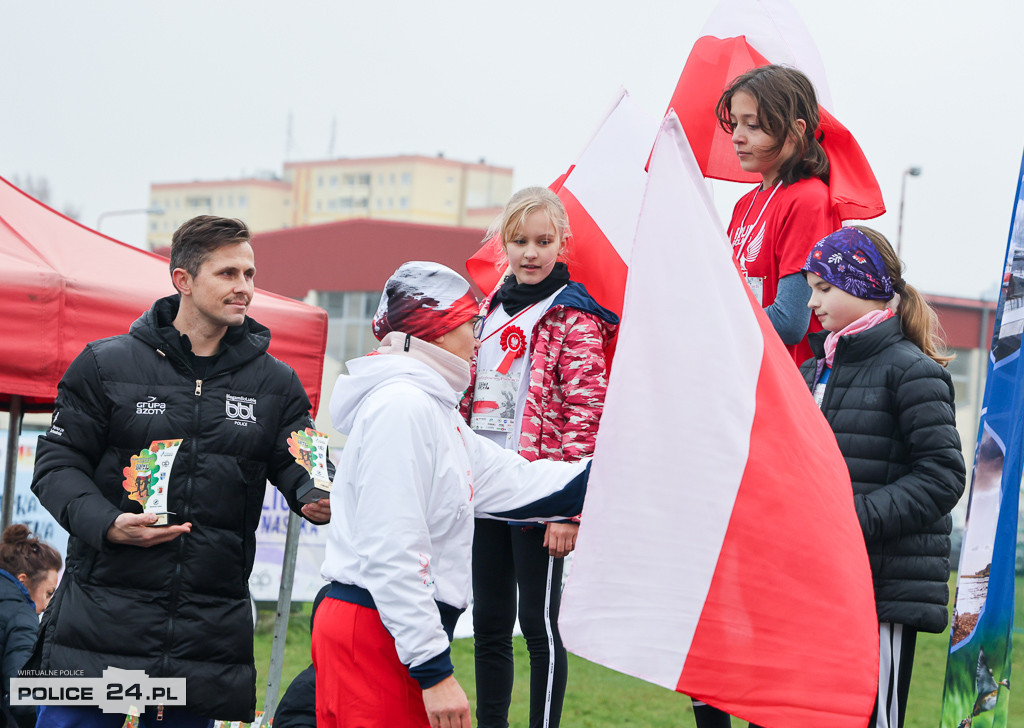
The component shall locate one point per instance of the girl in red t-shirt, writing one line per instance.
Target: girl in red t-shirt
(772, 114)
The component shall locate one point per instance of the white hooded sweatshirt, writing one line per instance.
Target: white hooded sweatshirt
(411, 478)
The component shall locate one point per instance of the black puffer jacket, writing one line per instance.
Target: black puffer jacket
(18, 628)
(179, 609)
(891, 409)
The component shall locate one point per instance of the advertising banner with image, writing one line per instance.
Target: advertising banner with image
(27, 508)
(978, 667)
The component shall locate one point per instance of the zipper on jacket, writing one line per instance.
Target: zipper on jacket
(827, 397)
(185, 513)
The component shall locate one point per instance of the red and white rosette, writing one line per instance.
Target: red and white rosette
(513, 343)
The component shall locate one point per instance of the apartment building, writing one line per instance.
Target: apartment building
(264, 204)
(408, 188)
(417, 189)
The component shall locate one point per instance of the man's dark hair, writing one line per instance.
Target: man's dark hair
(200, 236)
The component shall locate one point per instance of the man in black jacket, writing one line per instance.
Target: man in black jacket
(192, 377)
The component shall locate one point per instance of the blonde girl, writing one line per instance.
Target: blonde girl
(538, 388)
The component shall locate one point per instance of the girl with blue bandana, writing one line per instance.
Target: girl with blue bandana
(878, 375)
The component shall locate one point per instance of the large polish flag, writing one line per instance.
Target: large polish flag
(601, 193)
(744, 34)
(720, 554)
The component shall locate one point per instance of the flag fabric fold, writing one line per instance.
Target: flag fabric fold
(601, 193)
(745, 34)
(721, 555)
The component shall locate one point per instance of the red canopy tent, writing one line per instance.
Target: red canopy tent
(63, 285)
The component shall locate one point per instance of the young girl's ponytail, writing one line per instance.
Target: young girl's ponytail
(919, 321)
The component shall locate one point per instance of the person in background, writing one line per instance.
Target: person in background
(28, 578)
(878, 375)
(538, 387)
(297, 708)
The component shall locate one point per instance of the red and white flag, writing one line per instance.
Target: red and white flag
(744, 34)
(720, 554)
(602, 194)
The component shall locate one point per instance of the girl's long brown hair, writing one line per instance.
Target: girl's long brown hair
(920, 324)
(783, 95)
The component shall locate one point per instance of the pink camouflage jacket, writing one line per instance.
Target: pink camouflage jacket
(568, 377)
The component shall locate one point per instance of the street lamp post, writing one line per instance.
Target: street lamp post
(912, 172)
(135, 211)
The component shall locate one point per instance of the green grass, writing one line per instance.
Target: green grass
(597, 697)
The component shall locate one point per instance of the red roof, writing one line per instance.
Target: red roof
(962, 320)
(354, 255)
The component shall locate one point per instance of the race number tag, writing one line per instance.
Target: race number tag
(757, 288)
(494, 402)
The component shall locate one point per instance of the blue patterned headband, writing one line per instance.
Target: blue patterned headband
(848, 260)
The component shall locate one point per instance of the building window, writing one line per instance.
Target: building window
(380, 179)
(391, 179)
(349, 314)
(363, 202)
(406, 178)
(319, 205)
(334, 180)
(242, 201)
(320, 181)
(199, 202)
(403, 203)
(345, 203)
(364, 179)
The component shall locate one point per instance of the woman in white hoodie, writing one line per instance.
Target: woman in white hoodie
(412, 477)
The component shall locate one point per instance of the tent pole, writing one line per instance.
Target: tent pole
(13, 434)
(284, 604)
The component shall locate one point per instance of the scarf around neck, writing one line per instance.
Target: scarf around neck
(864, 323)
(454, 370)
(514, 296)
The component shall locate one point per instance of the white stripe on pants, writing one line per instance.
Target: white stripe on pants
(895, 662)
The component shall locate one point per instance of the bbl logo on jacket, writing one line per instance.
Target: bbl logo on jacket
(240, 410)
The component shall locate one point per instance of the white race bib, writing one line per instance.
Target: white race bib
(494, 401)
(757, 287)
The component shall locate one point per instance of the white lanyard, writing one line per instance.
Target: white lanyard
(741, 250)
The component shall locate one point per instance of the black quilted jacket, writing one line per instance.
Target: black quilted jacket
(179, 609)
(891, 409)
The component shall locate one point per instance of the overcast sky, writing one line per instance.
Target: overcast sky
(103, 98)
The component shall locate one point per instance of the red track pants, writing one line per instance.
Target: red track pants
(360, 682)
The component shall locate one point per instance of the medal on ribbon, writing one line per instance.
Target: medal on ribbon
(513, 343)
